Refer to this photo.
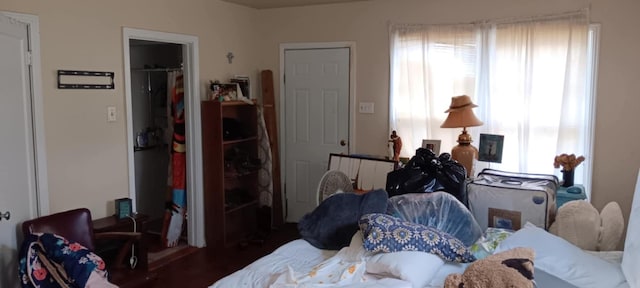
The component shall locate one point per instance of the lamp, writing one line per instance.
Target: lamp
(461, 116)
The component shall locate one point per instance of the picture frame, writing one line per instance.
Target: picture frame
(505, 219)
(224, 92)
(243, 86)
(490, 149)
(432, 144)
(124, 208)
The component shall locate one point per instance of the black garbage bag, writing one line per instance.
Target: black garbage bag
(426, 172)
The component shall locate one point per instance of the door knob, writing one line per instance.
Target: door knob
(343, 142)
(5, 215)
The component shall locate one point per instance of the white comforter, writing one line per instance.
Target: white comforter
(298, 264)
(264, 271)
(347, 268)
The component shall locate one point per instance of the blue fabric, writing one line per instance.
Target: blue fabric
(439, 210)
(49, 260)
(332, 224)
(385, 233)
(178, 197)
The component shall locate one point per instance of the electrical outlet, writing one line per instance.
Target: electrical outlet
(111, 113)
(366, 107)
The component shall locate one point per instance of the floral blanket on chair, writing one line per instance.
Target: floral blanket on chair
(49, 260)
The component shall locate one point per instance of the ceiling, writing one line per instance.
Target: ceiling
(268, 4)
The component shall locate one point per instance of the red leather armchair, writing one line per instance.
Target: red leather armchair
(77, 225)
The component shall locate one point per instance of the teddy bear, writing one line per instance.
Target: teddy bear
(511, 268)
(582, 225)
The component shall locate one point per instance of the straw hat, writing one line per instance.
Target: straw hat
(459, 103)
(460, 113)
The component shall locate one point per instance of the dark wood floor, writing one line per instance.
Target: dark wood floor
(202, 267)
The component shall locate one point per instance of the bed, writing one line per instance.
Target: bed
(558, 263)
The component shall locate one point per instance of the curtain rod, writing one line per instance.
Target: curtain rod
(583, 11)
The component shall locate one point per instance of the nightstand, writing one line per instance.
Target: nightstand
(566, 194)
(107, 248)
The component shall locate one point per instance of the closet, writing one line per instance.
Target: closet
(153, 66)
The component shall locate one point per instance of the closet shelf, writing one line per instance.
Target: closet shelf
(156, 69)
(137, 149)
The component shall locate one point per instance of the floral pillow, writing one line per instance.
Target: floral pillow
(47, 258)
(385, 233)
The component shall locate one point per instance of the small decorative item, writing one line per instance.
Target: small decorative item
(491, 148)
(433, 145)
(397, 145)
(568, 164)
(123, 208)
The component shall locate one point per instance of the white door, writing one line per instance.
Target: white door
(17, 166)
(316, 121)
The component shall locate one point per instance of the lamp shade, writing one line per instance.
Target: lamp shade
(461, 118)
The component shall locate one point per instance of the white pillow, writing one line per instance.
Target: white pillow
(412, 266)
(612, 227)
(564, 260)
(631, 255)
(579, 223)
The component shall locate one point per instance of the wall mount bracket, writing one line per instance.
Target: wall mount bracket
(74, 73)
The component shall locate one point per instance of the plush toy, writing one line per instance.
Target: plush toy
(582, 225)
(508, 269)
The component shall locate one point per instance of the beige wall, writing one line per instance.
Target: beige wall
(87, 162)
(87, 157)
(615, 168)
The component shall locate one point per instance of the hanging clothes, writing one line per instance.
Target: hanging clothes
(265, 177)
(177, 204)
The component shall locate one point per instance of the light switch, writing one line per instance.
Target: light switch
(111, 113)
(366, 107)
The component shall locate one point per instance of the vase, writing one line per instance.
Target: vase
(567, 178)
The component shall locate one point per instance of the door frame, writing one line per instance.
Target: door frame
(352, 99)
(39, 203)
(191, 68)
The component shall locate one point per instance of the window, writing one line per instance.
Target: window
(532, 78)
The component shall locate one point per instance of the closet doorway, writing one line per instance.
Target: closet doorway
(160, 68)
(154, 69)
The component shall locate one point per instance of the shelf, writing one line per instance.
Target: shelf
(137, 149)
(236, 102)
(246, 173)
(236, 141)
(241, 206)
(231, 195)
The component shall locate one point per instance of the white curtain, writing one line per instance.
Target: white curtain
(528, 76)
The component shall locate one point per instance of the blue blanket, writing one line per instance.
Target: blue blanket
(332, 224)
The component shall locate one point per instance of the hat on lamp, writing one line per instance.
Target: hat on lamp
(460, 113)
(459, 103)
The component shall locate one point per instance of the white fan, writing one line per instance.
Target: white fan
(332, 182)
